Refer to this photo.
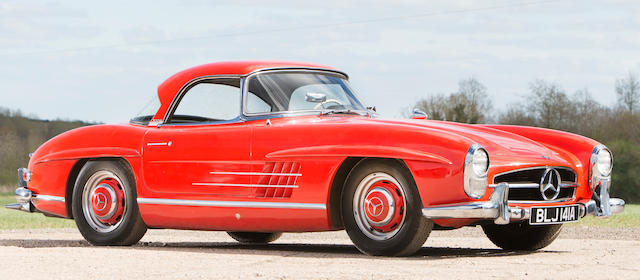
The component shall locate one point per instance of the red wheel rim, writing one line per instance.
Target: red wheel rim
(103, 201)
(379, 206)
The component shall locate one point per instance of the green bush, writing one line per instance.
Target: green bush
(626, 170)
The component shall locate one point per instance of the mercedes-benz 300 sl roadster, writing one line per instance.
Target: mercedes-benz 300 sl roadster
(260, 148)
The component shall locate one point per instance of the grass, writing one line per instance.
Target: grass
(629, 218)
(12, 219)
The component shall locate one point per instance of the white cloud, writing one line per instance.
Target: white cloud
(392, 62)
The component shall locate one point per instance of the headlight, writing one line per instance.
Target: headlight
(601, 161)
(476, 167)
(480, 162)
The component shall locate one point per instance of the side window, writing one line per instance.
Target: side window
(212, 100)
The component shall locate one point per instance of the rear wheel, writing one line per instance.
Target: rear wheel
(104, 204)
(381, 210)
(521, 236)
(254, 237)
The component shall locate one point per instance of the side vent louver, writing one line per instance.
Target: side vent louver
(283, 176)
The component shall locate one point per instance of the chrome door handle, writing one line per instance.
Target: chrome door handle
(168, 144)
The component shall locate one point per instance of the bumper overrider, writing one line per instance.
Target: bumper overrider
(497, 207)
(23, 195)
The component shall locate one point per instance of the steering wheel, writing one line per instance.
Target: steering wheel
(321, 104)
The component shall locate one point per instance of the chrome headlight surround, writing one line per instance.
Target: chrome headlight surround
(600, 165)
(476, 169)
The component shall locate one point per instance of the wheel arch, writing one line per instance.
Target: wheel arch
(75, 171)
(340, 178)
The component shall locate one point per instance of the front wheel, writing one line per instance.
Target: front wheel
(254, 237)
(521, 236)
(104, 204)
(381, 210)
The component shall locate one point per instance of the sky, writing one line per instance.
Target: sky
(102, 61)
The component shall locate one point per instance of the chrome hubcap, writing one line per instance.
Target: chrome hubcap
(379, 206)
(103, 201)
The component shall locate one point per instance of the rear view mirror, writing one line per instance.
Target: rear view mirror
(419, 115)
(315, 97)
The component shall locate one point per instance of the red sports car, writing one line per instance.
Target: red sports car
(260, 148)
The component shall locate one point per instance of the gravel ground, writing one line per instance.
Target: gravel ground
(596, 253)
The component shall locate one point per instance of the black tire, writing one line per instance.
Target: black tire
(521, 236)
(409, 234)
(254, 237)
(129, 228)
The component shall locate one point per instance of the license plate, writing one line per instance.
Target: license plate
(553, 215)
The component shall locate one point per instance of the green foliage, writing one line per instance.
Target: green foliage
(626, 171)
(20, 135)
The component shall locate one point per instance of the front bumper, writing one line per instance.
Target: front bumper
(23, 197)
(497, 207)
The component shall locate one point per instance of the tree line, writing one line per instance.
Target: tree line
(548, 105)
(21, 135)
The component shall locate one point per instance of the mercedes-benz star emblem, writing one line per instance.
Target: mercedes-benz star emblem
(375, 206)
(101, 200)
(550, 184)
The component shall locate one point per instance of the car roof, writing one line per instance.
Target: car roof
(171, 86)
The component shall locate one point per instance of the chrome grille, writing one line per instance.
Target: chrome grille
(524, 184)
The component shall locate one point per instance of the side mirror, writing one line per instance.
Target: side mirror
(315, 97)
(372, 108)
(419, 115)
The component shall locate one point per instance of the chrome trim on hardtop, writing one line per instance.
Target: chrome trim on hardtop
(294, 68)
(244, 185)
(182, 91)
(242, 78)
(241, 204)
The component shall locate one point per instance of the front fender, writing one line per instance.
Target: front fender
(575, 148)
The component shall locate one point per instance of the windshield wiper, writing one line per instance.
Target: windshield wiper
(341, 111)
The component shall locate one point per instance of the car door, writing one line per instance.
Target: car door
(203, 145)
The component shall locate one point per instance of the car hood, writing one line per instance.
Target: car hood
(504, 148)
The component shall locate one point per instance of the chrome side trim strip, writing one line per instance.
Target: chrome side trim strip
(160, 144)
(255, 173)
(244, 185)
(243, 204)
(48, 197)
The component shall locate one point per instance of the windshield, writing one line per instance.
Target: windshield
(299, 91)
(148, 111)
